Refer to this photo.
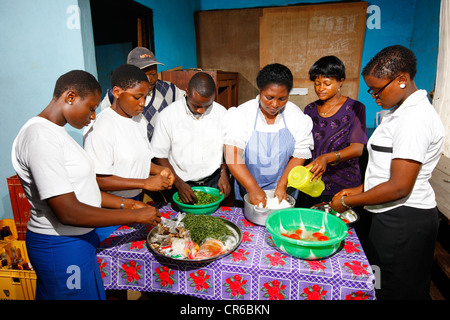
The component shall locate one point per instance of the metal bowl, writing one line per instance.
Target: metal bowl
(350, 217)
(259, 215)
(157, 254)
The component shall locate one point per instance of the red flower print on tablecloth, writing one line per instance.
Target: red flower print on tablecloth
(315, 266)
(246, 223)
(314, 292)
(239, 255)
(236, 286)
(103, 270)
(131, 271)
(166, 214)
(275, 259)
(351, 247)
(274, 290)
(225, 208)
(125, 227)
(136, 245)
(164, 276)
(200, 280)
(358, 295)
(357, 268)
(247, 237)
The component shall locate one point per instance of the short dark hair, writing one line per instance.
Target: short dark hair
(203, 84)
(80, 81)
(392, 61)
(275, 73)
(328, 66)
(127, 76)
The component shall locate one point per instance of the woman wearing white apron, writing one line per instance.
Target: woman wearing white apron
(266, 137)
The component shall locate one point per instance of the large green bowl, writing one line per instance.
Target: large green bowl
(291, 219)
(200, 209)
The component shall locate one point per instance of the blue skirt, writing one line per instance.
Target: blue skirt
(66, 266)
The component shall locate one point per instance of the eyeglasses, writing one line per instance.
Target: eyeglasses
(376, 94)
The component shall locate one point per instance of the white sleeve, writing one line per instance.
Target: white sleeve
(235, 128)
(46, 163)
(100, 148)
(301, 128)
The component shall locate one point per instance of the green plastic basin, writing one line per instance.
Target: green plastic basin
(285, 220)
(200, 209)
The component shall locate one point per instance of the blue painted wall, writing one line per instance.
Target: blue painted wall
(39, 41)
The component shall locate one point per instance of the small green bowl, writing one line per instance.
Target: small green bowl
(291, 219)
(200, 209)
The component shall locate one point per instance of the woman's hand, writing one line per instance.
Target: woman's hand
(280, 193)
(318, 167)
(135, 204)
(257, 197)
(166, 172)
(336, 203)
(157, 182)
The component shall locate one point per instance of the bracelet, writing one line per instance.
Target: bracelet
(343, 203)
(338, 158)
(123, 203)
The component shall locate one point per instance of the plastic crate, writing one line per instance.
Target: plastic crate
(12, 226)
(20, 206)
(17, 284)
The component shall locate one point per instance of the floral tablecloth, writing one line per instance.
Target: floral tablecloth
(256, 270)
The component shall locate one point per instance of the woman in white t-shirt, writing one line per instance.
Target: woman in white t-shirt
(59, 181)
(118, 144)
(266, 137)
(403, 151)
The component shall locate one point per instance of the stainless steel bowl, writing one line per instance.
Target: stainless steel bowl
(350, 217)
(259, 215)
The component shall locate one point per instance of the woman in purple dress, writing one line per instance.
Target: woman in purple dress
(339, 131)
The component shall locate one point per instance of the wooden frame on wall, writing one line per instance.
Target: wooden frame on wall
(245, 40)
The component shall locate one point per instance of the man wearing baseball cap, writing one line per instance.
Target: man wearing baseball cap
(161, 94)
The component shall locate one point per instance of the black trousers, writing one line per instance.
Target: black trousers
(401, 243)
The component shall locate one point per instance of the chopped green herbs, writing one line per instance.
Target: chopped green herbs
(202, 198)
(203, 227)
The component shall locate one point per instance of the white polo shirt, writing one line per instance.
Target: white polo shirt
(50, 163)
(194, 147)
(413, 131)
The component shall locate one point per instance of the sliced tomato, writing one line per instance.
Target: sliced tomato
(295, 236)
(285, 235)
(298, 231)
(317, 234)
(323, 238)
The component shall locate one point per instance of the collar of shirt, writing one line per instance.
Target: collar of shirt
(411, 101)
